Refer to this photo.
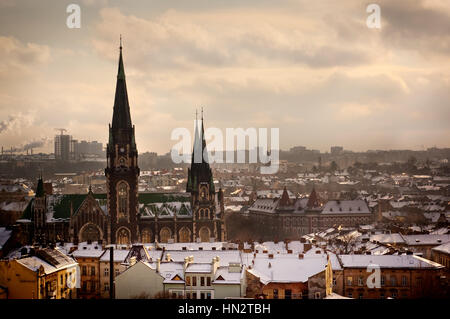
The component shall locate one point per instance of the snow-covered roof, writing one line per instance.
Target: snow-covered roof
(286, 268)
(387, 261)
(346, 207)
(204, 256)
(199, 268)
(387, 238)
(444, 248)
(224, 277)
(414, 240)
(119, 255)
(5, 234)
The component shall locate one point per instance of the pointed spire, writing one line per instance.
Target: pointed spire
(196, 151)
(121, 70)
(285, 201)
(204, 151)
(121, 114)
(40, 187)
(313, 200)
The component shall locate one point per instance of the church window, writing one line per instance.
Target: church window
(184, 235)
(165, 234)
(122, 194)
(123, 236)
(204, 234)
(146, 236)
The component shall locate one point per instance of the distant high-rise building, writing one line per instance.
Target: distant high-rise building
(63, 147)
(336, 149)
(298, 149)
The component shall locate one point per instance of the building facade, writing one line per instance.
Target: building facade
(296, 217)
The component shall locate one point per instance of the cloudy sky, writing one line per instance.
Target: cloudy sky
(311, 68)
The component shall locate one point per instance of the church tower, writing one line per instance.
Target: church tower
(207, 214)
(122, 171)
(39, 214)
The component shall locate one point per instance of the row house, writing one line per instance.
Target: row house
(400, 276)
(184, 274)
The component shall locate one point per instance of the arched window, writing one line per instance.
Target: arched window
(122, 199)
(165, 234)
(90, 232)
(204, 234)
(123, 236)
(184, 235)
(146, 236)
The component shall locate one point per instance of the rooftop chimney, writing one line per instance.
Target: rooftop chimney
(158, 264)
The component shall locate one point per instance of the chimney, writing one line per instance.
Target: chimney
(158, 264)
(300, 256)
(270, 256)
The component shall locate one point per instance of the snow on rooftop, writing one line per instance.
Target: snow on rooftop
(444, 248)
(33, 263)
(387, 261)
(5, 234)
(286, 268)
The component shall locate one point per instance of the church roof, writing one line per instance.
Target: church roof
(59, 205)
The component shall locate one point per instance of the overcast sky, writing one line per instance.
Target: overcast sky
(311, 68)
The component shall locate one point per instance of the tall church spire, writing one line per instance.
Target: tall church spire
(200, 171)
(121, 114)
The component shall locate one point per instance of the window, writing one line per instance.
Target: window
(84, 286)
(393, 281)
(360, 281)
(84, 271)
(194, 281)
(334, 282)
(92, 286)
(404, 281)
(317, 295)
(106, 273)
(288, 294)
(383, 280)
(202, 281)
(360, 296)
(208, 281)
(92, 271)
(382, 295)
(394, 295)
(106, 286)
(61, 279)
(122, 199)
(349, 281)
(208, 295)
(116, 272)
(275, 294)
(202, 295)
(350, 295)
(188, 280)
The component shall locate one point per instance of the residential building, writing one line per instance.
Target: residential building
(42, 274)
(401, 276)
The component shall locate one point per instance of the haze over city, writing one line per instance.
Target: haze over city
(314, 70)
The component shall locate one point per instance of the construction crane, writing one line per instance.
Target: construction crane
(62, 130)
